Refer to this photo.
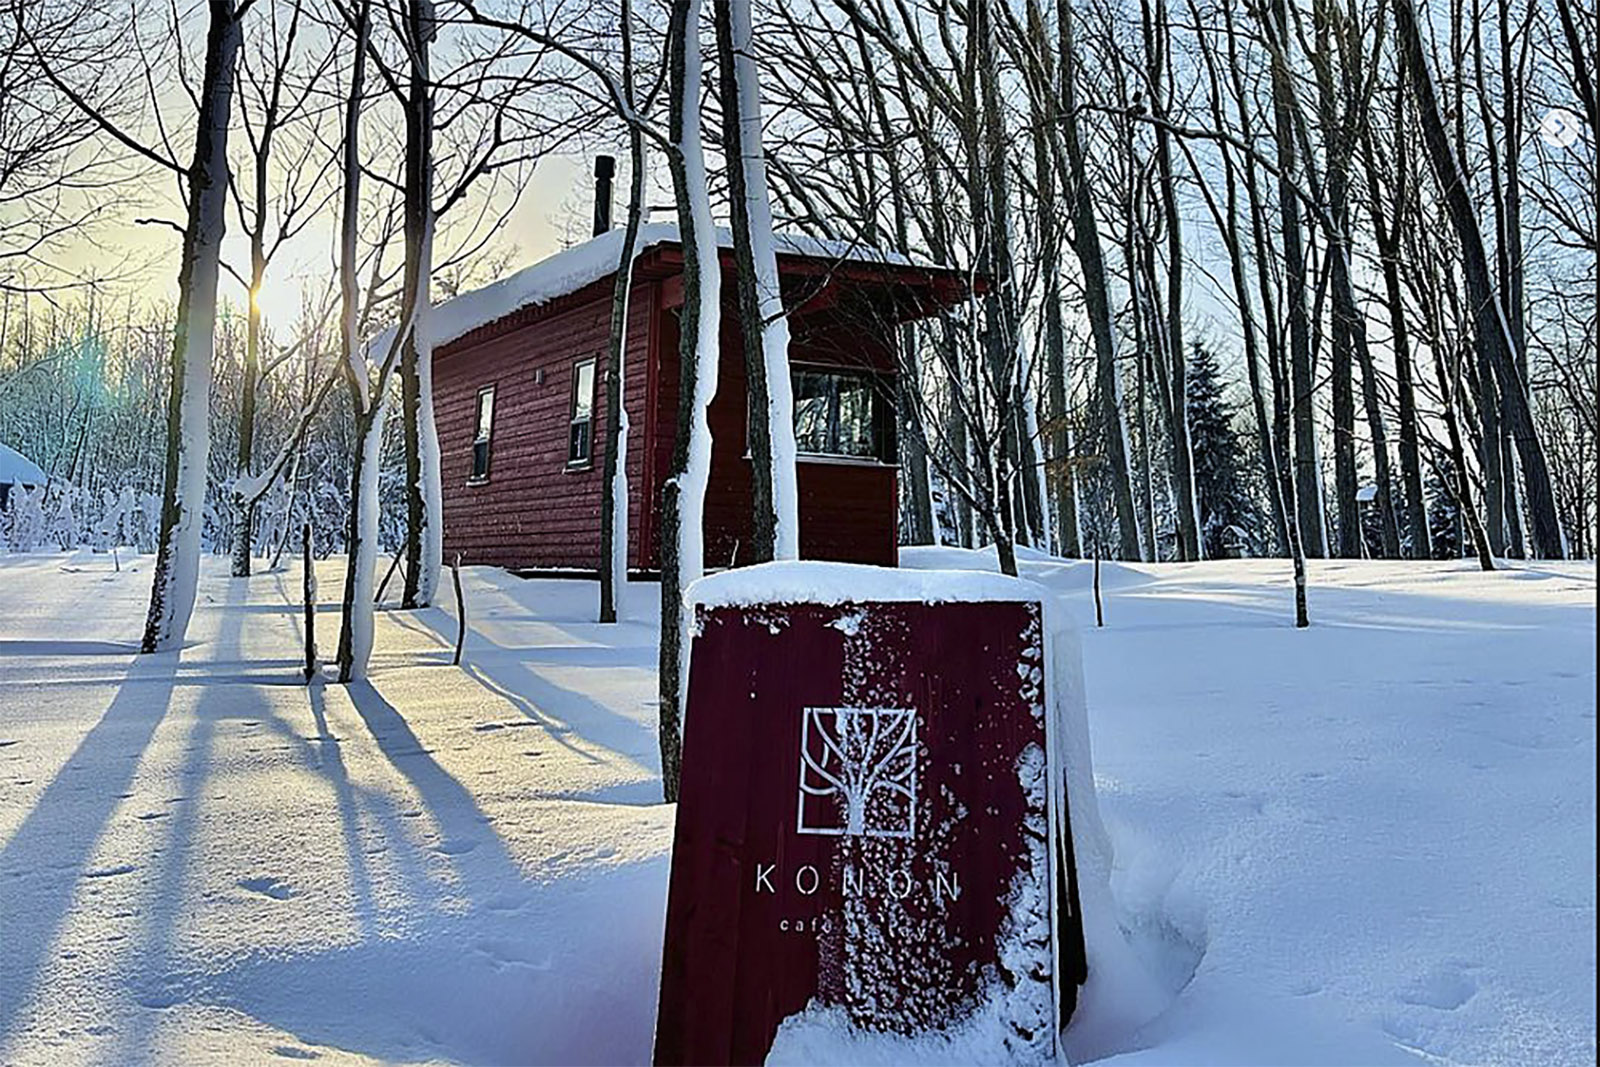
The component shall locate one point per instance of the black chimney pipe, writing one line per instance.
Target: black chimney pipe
(604, 168)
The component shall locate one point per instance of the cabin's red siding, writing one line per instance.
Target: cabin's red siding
(848, 508)
(535, 512)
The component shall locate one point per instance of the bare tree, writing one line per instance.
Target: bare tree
(1493, 337)
(368, 383)
(51, 162)
(204, 182)
(683, 499)
(282, 198)
(764, 328)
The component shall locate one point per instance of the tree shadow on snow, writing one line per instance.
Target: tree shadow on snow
(45, 860)
(511, 672)
(489, 966)
(67, 648)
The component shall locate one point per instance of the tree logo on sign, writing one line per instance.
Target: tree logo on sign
(858, 772)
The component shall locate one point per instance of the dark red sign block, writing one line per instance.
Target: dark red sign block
(865, 821)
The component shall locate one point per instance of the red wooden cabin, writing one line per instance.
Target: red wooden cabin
(519, 399)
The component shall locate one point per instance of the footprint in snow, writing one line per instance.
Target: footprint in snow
(456, 846)
(276, 888)
(8, 742)
(505, 902)
(1444, 988)
(295, 1052)
(110, 872)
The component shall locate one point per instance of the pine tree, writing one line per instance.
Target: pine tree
(1444, 512)
(1219, 474)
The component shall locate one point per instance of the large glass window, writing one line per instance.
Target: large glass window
(837, 413)
(580, 433)
(483, 434)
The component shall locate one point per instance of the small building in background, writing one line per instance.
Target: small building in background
(17, 470)
(520, 402)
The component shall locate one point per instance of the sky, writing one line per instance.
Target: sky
(553, 207)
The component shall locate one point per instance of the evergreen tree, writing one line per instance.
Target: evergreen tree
(1444, 513)
(1219, 474)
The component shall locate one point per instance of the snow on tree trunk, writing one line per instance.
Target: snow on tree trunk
(424, 492)
(774, 324)
(696, 472)
(243, 516)
(355, 639)
(618, 563)
(431, 560)
(614, 503)
(368, 391)
(177, 569)
(683, 506)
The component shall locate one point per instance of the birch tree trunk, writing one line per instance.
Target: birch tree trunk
(177, 569)
(921, 527)
(368, 395)
(683, 495)
(244, 509)
(614, 488)
(764, 327)
(424, 492)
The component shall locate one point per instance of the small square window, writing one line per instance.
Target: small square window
(580, 426)
(484, 423)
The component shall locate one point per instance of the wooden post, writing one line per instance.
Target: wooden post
(1099, 605)
(461, 609)
(308, 584)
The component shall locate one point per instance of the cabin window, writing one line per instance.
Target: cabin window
(580, 431)
(842, 413)
(485, 430)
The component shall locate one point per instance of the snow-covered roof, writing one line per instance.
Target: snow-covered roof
(573, 268)
(814, 582)
(17, 469)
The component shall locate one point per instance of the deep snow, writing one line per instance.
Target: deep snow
(1334, 845)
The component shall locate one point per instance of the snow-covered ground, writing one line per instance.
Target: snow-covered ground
(1373, 841)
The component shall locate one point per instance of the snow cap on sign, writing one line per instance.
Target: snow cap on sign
(813, 582)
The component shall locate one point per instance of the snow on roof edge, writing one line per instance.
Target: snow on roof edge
(17, 469)
(571, 269)
(816, 582)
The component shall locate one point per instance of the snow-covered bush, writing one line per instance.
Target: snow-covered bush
(64, 521)
(27, 523)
